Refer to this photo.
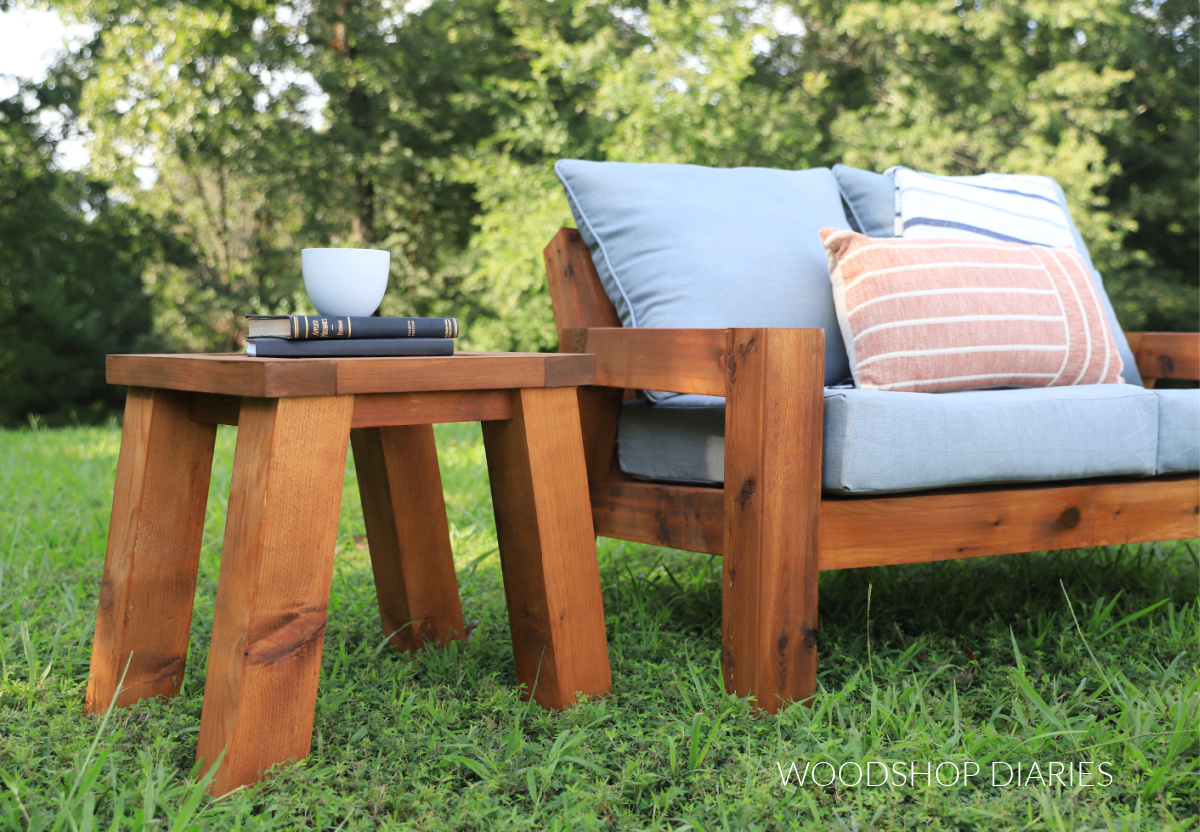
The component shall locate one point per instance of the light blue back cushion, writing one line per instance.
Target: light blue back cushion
(871, 198)
(689, 246)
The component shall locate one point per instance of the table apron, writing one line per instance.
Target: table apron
(382, 409)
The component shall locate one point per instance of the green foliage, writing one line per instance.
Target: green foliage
(1099, 95)
(71, 261)
(1064, 656)
(247, 130)
(273, 126)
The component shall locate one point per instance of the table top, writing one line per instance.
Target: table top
(235, 374)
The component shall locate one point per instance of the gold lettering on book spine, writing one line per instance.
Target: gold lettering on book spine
(349, 329)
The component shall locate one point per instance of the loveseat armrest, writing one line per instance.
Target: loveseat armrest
(1166, 354)
(678, 360)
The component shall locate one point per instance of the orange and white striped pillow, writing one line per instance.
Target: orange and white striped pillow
(938, 315)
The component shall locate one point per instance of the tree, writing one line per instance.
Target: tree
(70, 277)
(431, 130)
(1099, 95)
(273, 126)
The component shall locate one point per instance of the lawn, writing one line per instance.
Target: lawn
(1070, 657)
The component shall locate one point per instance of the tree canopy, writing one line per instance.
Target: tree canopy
(225, 136)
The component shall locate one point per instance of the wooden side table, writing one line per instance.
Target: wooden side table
(295, 418)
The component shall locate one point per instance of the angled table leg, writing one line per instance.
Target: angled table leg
(408, 534)
(153, 550)
(273, 591)
(548, 547)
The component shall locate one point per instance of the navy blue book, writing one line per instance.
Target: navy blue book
(308, 327)
(348, 348)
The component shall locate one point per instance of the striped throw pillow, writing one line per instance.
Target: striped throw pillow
(1010, 208)
(939, 315)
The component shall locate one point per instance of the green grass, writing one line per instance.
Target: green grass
(1069, 656)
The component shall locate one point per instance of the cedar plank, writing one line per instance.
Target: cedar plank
(933, 525)
(1166, 354)
(675, 360)
(380, 409)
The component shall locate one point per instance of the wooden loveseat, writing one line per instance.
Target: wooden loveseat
(770, 521)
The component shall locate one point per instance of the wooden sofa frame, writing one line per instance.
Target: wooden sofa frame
(770, 522)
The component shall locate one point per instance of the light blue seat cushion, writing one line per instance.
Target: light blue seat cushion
(689, 246)
(871, 201)
(884, 441)
(1178, 431)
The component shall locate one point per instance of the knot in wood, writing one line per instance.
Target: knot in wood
(1069, 519)
(106, 595)
(428, 631)
(727, 660)
(810, 638)
(748, 488)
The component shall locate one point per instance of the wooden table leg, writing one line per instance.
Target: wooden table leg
(548, 547)
(153, 550)
(409, 536)
(273, 591)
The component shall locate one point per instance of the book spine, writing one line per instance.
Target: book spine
(343, 348)
(314, 327)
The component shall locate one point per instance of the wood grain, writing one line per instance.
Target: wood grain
(926, 526)
(599, 415)
(579, 301)
(273, 589)
(228, 374)
(153, 551)
(576, 293)
(408, 534)
(1166, 354)
(548, 548)
(242, 375)
(570, 370)
(972, 522)
(214, 408)
(675, 360)
(464, 371)
(772, 514)
(380, 409)
(677, 516)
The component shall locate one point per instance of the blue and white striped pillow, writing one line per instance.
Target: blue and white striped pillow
(1012, 208)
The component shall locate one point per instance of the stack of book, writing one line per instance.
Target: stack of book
(315, 336)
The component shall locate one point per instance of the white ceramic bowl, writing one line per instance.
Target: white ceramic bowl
(345, 281)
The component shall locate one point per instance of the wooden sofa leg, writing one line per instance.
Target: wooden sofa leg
(773, 437)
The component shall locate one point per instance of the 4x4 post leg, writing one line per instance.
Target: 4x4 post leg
(773, 437)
